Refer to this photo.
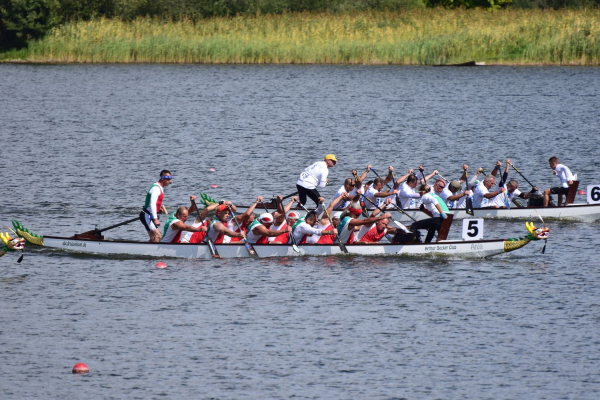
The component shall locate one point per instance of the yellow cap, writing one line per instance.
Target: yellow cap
(330, 157)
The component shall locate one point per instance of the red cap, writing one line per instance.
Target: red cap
(221, 208)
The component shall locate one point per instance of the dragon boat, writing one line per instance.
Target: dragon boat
(99, 245)
(586, 212)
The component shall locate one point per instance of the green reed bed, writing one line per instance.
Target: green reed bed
(432, 36)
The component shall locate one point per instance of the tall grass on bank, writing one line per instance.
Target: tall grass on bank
(432, 36)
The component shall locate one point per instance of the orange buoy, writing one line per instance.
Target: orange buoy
(213, 186)
(80, 368)
(581, 192)
(161, 265)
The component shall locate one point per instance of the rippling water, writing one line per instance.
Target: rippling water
(82, 144)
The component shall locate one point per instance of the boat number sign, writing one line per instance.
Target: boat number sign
(472, 229)
(593, 194)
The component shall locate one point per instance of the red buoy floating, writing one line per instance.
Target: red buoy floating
(161, 265)
(80, 368)
(211, 170)
(213, 186)
(581, 192)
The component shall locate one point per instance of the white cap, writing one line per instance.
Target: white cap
(336, 214)
(293, 215)
(266, 218)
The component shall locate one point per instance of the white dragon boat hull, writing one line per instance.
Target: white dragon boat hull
(474, 249)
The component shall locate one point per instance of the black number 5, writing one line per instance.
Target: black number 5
(472, 229)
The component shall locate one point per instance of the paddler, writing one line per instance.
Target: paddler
(312, 177)
(433, 206)
(153, 204)
(217, 229)
(201, 220)
(323, 222)
(259, 230)
(504, 200)
(305, 227)
(374, 192)
(175, 225)
(482, 194)
(566, 180)
(280, 223)
(349, 221)
(243, 220)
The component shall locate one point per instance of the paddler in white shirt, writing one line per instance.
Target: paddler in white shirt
(482, 194)
(153, 205)
(323, 222)
(312, 177)
(408, 195)
(348, 187)
(566, 180)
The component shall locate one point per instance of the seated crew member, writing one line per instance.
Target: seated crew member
(421, 175)
(504, 200)
(373, 233)
(374, 192)
(323, 222)
(201, 220)
(175, 225)
(433, 207)
(481, 195)
(305, 227)
(408, 195)
(217, 229)
(457, 199)
(349, 221)
(259, 230)
(349, 187)
(244, 220)
(279, 223)
(566, 180)
(153, 204)
(312, 177)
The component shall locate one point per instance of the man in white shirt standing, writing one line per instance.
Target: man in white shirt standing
(566, 180)
(312, 177)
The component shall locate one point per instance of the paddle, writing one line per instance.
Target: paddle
(294, 244)
(469, 202)
(248, 246)
(387, 184)
(342, 245)
(519, 172)
(211, 245)
(98, 232)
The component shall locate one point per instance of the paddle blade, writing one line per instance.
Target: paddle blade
(469, 207)
(544, 248)
(20, 258)
(343, 247)
(296, 249)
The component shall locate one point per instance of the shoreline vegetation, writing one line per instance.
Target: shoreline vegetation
(417, 37)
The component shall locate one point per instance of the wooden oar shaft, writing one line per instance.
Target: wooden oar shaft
(522, 176)
(119, 224)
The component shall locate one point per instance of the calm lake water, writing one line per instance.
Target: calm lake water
(82, 144)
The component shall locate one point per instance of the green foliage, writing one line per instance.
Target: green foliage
(86, 9)
(23, 20)
(489, 4)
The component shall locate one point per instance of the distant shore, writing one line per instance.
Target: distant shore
(423, 37)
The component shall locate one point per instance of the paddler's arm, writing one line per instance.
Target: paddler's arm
(192, 206)
(181, 226)
(494, 194)
(386, 194)
(496, 168)
(389, 176)
(287, 208)
(261, 230)
(219, 227)
(244, 217)
(403, 178)
(204, 213)
(463, 178)
(356, 222)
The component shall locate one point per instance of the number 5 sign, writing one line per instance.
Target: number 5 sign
(593, 194)
(472, 229)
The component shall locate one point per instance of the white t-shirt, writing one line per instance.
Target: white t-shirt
(479, 201)
(408, 196)
(370, 194)
(429, 201)
(565, 175)
(343, 204)
(305, 229)
(314, 176)
(315, 238)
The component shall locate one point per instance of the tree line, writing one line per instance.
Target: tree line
(23, 20)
